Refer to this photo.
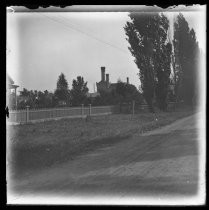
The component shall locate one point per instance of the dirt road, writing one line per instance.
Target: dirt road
(160, 163)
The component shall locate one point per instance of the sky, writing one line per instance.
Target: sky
(42, 45)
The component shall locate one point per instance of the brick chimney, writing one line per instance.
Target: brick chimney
(107, 78)
(103, 73)
(127, 80)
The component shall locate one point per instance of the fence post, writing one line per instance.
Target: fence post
(27, 113)
(82, 111)
(16, 116)
(133, 107)
(89, 109)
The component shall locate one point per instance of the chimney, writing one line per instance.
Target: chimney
(127, 80)
(107, 78)
(103, 73)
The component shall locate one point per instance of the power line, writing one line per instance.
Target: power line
(91, 35)
(67, 21)
(87, 34)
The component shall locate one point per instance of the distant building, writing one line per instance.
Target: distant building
(92, 95)
(104, 84)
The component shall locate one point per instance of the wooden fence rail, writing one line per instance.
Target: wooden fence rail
(32, 115)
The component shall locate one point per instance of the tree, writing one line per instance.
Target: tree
(187, 54)
(62, 91)
(106, 98)
(127, 93)
(162, 61)
(26, 98)
(119, 93)
(163, 70)
(78, 92)
(147, 36)
(24, 92)
(35, 99)
(48, 99)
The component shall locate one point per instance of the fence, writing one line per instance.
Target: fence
(135, 108)
(30, 115)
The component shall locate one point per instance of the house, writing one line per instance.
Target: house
(104, 84)
(11, 90)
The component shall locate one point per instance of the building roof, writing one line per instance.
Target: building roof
(10, 81)
(12, 86)
(113, 84)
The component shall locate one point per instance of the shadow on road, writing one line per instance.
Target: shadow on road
(151, 148)
(110, 185)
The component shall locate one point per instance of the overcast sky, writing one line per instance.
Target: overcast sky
(42, 45)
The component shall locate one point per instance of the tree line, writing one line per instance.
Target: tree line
(162, 61)
(62, 96)
(77, 95)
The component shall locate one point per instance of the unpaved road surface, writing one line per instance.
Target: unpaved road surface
(160, 163)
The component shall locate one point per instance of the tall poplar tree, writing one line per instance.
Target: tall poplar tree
(147, 36)
(187, 54)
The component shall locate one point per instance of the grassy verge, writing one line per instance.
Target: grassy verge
(35, 146)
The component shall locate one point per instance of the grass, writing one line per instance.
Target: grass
(36, 146)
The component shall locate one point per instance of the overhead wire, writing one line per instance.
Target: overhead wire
(80, 31)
